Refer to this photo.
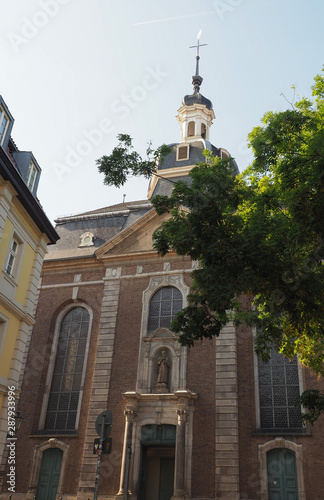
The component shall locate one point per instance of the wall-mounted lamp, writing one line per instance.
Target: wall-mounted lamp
(18, 419)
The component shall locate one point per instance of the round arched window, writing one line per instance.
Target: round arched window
(164, 305)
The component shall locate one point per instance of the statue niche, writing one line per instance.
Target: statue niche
(163, 370)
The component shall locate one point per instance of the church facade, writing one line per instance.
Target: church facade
(210, 422)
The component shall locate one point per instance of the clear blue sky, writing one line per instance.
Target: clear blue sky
(75, 73)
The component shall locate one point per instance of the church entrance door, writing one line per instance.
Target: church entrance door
(156, 480)
(157, 473)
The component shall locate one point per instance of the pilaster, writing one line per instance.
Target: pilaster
(227, 438)
(102, 373)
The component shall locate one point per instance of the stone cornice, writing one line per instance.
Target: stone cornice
(194, 107)
(135, 398)
(16, 310)
(99, 215)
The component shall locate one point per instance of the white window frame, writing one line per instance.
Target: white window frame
(178, 150)
(15, 255)
(3, 115)
(32, 175)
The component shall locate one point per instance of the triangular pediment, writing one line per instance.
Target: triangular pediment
(135, 239)
(160, 333)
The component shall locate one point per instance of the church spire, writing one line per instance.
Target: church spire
(197, 79)
(196, 113)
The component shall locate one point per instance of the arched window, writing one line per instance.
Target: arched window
(68, 371)
(191, 129)
(164, 305)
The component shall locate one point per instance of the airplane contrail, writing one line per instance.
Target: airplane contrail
(152, 21)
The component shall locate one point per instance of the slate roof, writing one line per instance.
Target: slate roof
(103, 223)
(196, 148)
(111, 208)
(10, 172)
(196, 98)
(195, 154)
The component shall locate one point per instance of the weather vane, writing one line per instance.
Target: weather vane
(197, 80)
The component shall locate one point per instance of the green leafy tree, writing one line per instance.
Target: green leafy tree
(313, 401)
(258, 234)
(125, 161)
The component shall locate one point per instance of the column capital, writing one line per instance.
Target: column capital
(130, 414)
(182, 414)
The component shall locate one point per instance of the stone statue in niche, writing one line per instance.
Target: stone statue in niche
(163, 369)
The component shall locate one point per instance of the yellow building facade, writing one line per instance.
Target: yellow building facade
(25, 233)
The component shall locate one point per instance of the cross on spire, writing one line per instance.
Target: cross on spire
(197, 79)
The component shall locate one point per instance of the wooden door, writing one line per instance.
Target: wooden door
(166, 478)
(282, 474)
(157, 473)
(49, 474)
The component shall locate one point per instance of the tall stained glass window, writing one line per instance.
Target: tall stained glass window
(164, 305)
(279, 393)
(68, 370)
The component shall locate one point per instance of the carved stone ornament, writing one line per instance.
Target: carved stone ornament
(87, 239)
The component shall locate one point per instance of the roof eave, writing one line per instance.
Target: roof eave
(28, 201)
